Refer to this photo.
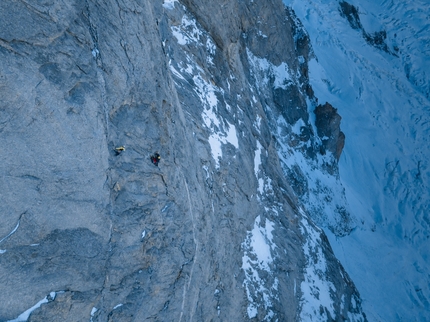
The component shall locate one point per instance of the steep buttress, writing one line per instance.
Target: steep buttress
(215, 232)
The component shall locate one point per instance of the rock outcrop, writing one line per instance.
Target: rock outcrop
(328, 128)
(215, 232)
(376, 39)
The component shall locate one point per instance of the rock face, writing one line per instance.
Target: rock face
(328, 128)
(376, 39)
(215, 232)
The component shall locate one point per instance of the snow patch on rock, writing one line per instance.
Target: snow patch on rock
(297, 127)
(169, 4)
(221, 132)
(257, 260)
(257, 163)
(25, 315)
(187, 32)
(280, 74)
(316, 288)
(323, 194)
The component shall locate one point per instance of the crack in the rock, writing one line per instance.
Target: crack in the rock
(164, 182)
(105, 116)
(5, 44)
(37, 11)
(94, 36)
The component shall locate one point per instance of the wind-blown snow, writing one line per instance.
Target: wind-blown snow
(231, 135)
(257, 123)
(258, 241)
(211, 49)
(259, 249)
(325, 195)
(383, 98)
(175, 72)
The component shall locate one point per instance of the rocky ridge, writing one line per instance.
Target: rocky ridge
(219, 93)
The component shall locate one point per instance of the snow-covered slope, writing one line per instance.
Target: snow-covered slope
(381, 90)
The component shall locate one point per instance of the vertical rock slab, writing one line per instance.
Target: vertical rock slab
(53, 225)
(214, 231)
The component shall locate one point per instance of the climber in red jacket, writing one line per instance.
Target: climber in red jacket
(155, 158)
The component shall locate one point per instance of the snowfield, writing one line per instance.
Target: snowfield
(382, 93)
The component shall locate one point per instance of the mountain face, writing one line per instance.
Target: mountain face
(372, 64)
(226, 227)
(215, 232)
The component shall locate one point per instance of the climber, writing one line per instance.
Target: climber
(155, 158)
(119, 149)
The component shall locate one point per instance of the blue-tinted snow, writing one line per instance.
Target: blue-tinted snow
(169, 4)
(383, 99)
(297, 128)
(2, 251)
(281, 74)
(220, 134)
(316, 288)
